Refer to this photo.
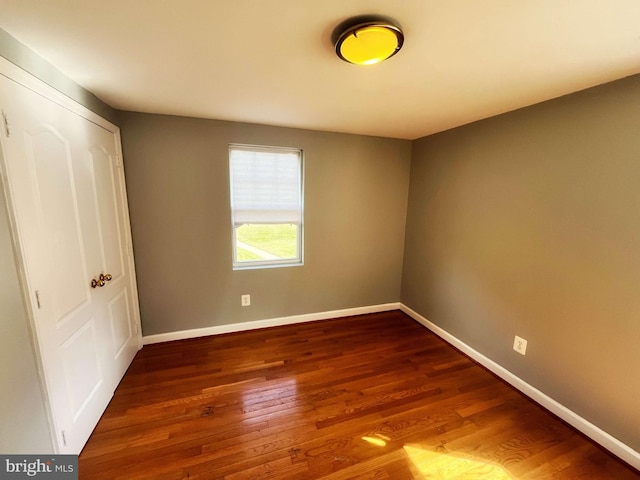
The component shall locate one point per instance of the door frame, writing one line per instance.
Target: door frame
(27, 80)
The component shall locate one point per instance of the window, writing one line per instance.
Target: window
(266, 206)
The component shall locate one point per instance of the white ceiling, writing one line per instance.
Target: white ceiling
(272, 62)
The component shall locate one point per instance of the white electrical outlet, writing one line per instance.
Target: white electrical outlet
(520, 345)
(245, 300)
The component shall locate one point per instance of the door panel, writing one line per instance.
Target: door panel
(51, 165)
(109, 214)
(66, 190)
(120, 322)
(106, 211)
(81, 364)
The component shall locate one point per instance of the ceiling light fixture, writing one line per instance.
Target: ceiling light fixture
(367, 40)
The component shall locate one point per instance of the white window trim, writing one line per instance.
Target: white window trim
(257, 264)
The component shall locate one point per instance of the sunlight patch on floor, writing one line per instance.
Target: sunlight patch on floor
(440, 466)
(377, 440)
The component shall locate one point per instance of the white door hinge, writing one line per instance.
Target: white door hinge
(118, 160)
(7, 126)
(38, 298)
(64, 438)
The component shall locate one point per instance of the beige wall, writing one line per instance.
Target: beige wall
(528, 224)
(178, 185)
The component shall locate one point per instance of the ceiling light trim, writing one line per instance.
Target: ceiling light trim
(367, 40)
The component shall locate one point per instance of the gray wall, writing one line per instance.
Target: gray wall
(24, 427)
(178, 185)
(527, 224)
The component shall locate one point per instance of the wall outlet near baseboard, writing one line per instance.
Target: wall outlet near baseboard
(520, 345)
(245, 300)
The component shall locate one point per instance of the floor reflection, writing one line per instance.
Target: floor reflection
(440, 466)
(378, 440)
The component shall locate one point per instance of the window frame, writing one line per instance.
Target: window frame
(285, 262)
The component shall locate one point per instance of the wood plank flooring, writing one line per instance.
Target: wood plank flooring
(370, 397)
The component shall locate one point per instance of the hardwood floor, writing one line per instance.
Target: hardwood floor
(371, 397)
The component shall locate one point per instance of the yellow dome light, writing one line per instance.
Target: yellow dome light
(368, 43)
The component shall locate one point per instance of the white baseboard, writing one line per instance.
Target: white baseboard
(598, 435)
(272, 322)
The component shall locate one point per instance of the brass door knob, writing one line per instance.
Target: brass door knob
(101, 281)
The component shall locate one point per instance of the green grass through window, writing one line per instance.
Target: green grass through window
(273, 240)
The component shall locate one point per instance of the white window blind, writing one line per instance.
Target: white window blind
(266, 185)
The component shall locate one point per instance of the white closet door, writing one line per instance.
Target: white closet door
(67, 194)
